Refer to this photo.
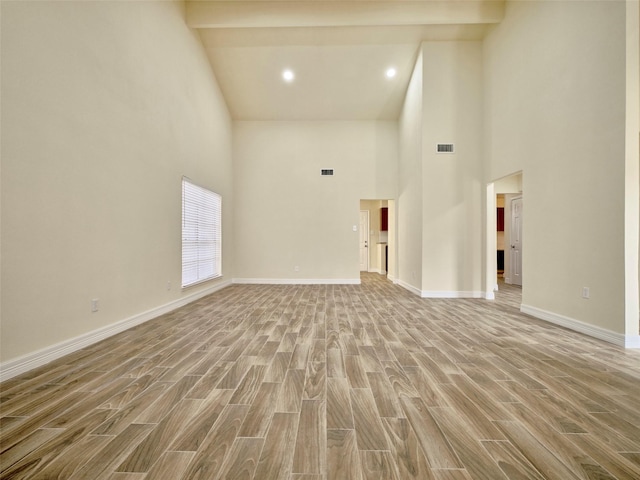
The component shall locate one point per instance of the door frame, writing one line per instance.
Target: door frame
(367, 239)
(512, 227)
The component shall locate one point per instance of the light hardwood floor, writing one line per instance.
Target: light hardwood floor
(330, 382)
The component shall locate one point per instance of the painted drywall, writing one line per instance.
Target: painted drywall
(105, 105)
(287, 215)
(555, 100)
(409, 203)
(632, 170)
(452, 184)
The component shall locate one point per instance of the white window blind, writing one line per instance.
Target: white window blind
(201, 233)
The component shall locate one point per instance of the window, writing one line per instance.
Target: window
(201, 234)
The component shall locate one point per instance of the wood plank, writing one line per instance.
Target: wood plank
(104, 463)
(355, 373)
(278, 367)
(276, 460)
(511, 461)
(535, 452)
(311, 439)
(170, 465)
(193, 433)
(475, 459)
(142, 458)
(410, 460)
(339, 414)
(213, 450)
(242, 459)
(249, 385)
(378, 465)
(384, 396)
(258, 419)
(368, 426)
(290, 398)
(435, 445)
(343, 459)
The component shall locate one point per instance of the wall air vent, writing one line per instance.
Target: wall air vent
(326, 172)
(445, 148)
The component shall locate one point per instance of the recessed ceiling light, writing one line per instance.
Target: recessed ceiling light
(288, 76)
(391, 72)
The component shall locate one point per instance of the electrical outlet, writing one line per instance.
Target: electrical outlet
(95, 305)
(585, 292)
(168, 285)
(296, 268)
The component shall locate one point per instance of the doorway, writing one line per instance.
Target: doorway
(381, 237)
(364, 240)
(516, 242)
(504, 232)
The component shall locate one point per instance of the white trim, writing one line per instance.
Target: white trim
(489, 296)
(632, 341)
(626, 341)
(297, 281)
(451, 294)
(391, 278)
(407, 286)
(376, 270)
(48, 354)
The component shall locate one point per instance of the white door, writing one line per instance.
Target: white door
(516, 241)
(364, 240)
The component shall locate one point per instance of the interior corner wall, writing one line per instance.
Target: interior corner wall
(287, 215)
(632, 171)
(409, 204)
(105, 106)
(555, 100)
(452, 212)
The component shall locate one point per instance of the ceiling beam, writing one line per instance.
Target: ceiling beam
(246, 14)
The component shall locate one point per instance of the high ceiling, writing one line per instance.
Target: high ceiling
(339, 52)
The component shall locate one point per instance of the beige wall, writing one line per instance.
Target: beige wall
(632, 170)
(105, 105)
(409, 203)
(287, 215)
(554, 84)
(439, 213)
(452, 186)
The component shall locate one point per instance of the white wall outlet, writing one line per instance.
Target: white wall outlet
(296, 268)
(355, 228)
(95, 305)
(168, 286)
(585, 292)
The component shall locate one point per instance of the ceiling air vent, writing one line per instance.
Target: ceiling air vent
(326, 172)
(445, 148)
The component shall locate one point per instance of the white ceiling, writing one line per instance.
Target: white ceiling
(339, 51)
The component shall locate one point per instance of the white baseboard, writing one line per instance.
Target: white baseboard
(297, 281)
(451, 294)
(41, 357)
(626, 341)
(407, 286)
(632, 341)
(489, 296)
(391, 278)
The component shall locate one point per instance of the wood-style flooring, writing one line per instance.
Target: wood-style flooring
(311, 382)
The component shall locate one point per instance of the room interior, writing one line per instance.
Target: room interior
(431, 106)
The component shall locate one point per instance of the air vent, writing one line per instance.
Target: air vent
(445, 148)
(326, 172)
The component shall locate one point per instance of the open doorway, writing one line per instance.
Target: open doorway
(505, 243)
(380, 237)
